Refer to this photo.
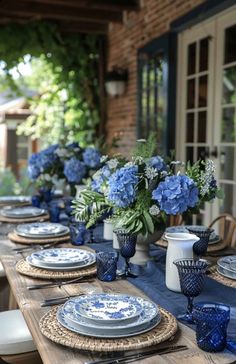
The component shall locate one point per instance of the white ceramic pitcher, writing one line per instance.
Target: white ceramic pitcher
(180, 246)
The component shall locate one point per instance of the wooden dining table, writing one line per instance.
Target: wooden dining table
(29, 302)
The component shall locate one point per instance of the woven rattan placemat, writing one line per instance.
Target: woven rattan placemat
(54, 331)
(25, 219)
(221, 279)
(26, 269)
(22, 240)
(211, 248)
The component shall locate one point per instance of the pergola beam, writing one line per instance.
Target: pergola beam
(42, 11)
(113, 5)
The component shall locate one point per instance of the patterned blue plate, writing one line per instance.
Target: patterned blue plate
(60, 268)
(148, 319)
(226, 266)
(61, 257)
(20, 212)
(108, 308)
(41, 230)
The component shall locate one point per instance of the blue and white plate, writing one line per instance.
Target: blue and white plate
(14, 200)
(227, 266)
(41, 230)
(108, 308)
(62, 257)
(91, 260)
(148, 319)
(21, 212)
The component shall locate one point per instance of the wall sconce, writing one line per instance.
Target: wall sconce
(116, 81)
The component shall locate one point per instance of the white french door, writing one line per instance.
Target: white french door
(206, 123)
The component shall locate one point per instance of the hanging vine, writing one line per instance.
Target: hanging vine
(73, 59)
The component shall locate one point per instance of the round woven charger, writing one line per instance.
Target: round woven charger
(221, 279)
(22, 240)
(25, 219)
(211, 248)
(26, 269)
(54, 331)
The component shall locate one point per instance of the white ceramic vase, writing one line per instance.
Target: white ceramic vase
(107, 230)
(116, 245)
(142, 247)
(79, 188)
(180, 246)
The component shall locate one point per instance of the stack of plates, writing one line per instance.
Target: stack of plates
(61, 259)
(109, 315)
(42, 230)
(214, 238)
(14, 200)
(226, 266)
(22, 212)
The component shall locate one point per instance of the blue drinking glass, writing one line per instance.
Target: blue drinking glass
(54, 212)
(107, 266)
(78, 233)
(192, 278)
(127, 243)
(211, 325)
(36, 200)
(46, 194)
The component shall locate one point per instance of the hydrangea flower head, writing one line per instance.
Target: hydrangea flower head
(34, 166)
(91, 157)
(121, 186)
(176, 194)
(74, 170)
(48, 157)
(158, 163)
(99, 178)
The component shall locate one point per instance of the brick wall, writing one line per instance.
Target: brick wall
(124, 40)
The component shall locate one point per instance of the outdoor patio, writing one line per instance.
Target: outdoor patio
(118, 181)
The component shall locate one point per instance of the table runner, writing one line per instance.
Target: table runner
(151, 281)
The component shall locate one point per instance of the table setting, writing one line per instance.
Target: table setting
(16, 215)
(15, 201)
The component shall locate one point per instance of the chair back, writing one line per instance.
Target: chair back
(225, 225)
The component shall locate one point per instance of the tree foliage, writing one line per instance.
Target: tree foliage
(62, 64)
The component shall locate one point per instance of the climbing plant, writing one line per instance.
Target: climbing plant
(67, 80)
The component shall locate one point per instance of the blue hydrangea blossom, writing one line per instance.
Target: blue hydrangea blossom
(99, 178)
(122, 186)
(34, 166)
(176, 194)
(74, 170)
(91, 157)
(158, 163)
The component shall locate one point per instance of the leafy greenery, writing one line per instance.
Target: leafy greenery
(65, 74)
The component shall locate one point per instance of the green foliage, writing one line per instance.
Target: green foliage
(65, 62)
(146, 148)
(9, 185)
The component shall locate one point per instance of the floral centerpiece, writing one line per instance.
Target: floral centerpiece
(143, 192)
(69, 162)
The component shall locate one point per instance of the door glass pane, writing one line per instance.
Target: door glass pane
(192, 59)
(201, 153)
(229, 85)
(230, 44)
(203, 58)
(189, 154)
(202, 92)
(228, 163)
(191, 93)
(190, 128)
(227, 204)
(228, 125)
(202, 120)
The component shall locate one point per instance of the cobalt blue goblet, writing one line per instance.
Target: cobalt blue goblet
(54, 212)
(211, 325)
(192, 277)
(36, 200)
(46, 194)
(127, 243)
(107, 266)
(78, 233)
(200, 247)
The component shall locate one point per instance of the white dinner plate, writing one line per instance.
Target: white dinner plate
(12, 200)
(226, 273)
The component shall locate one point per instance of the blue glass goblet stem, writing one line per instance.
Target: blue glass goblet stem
(127, 243)
(192, 277)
